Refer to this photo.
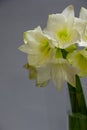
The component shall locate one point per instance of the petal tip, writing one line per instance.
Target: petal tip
(71, 7)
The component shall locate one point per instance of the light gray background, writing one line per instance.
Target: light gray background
(22, 105)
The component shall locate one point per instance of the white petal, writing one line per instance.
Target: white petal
(55, 22)
(61, 72)
(35, 36)
(70, 73)
(75, 36)
(35, 60)
(27, 49)
(57, 75)
(80, 25)
(39, 58)
(68, 11)
(43, 74)
(69, 14)
(83, 13)
(82, 44)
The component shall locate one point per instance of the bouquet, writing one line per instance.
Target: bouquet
(59, 53)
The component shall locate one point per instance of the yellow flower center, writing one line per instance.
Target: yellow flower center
(63, 36)
(44, 47)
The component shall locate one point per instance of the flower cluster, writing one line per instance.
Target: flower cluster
(58, 52)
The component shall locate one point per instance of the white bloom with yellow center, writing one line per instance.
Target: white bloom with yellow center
(38, 46)
(79, 60)
(61, 28)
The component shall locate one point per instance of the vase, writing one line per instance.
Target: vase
(77, 121)
(77, 115)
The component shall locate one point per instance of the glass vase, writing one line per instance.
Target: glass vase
(77, 122)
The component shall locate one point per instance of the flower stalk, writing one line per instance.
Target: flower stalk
(78, 115)
(77, 99)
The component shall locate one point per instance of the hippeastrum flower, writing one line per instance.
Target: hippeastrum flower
(82, 26)
(59, 71)
(79, 60)
(38, 46)
(61, 28)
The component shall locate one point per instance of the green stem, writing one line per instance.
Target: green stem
(78, 116)
(77, 98)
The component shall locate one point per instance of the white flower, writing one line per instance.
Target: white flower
(61, 28)
(59, 71)
(78, 59)
(47, 49)
(38, 46)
